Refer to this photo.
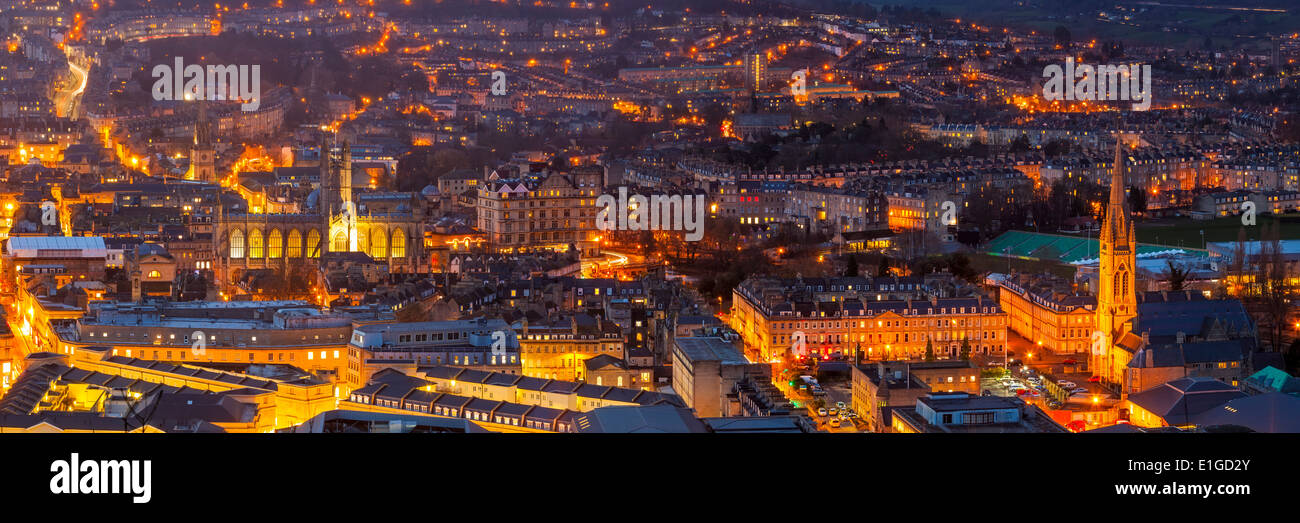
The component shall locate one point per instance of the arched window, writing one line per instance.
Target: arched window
(339, 242)
(236, 243)
(378, 244)
(399, 243)
(313, 244)
(363, 240)
(255, 245)
(275, 244)
(155, 274)
(295, 244)
(1121, 282)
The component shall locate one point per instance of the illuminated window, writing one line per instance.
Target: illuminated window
(155, 274)
(256, 247)
(295, 244)
(313, 244)
(275, 244)
(399, 244)
(237, 244)
(378, 244)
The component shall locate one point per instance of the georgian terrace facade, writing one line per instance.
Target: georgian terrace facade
(880, 330)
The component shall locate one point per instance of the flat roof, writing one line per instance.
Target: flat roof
(711, 349)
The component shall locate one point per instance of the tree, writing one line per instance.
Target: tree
(929, 350)
(852, 270)
(1062, 36)
(1020, 144)
(965, 349)
(1176, 275)
(883, 269)
(1137, 199)
(1274, 284)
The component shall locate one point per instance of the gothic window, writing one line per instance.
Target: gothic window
(378, 244)
(295, 244)
(363, 240)
(236, 243)
(255, 245)
(313, 244)
(399, 244)
(275, 244)
(339, 243)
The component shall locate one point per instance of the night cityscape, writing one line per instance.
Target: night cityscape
(682, 216)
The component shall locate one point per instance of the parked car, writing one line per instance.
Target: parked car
(821, 412)
(1070, 361)
(839, 405)
(833, 411)
(1094, 379)
(1066, 384)
(1079, 390)
(835, 423)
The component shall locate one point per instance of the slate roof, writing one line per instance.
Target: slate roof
(1178, 401)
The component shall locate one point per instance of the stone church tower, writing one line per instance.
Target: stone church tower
(203, 161)
(1116, 292)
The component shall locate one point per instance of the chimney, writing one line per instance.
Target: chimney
(1180, 337)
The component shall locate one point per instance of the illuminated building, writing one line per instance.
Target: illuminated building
(879, 318)
(82, 257)
(963, 413)
(1116, 290)
(706, 370)
(203, 155)
(755, 72)
(106, 393)
(555, 211)
(558, 348)
(496, 401)
(265, 332)
(1061, 322)
(1177, 403)
(387, 227)
(461, 343)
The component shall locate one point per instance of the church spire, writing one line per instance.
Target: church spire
(1117, 174)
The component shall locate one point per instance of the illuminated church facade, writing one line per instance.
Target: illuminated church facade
(1116, 289)
(388, 227)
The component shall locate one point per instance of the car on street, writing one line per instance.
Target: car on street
(839, 405)
(821, 412)
(1094, 379)
(833, 411)
(986, 392)
(1079, 390)
(1066, 384)
(835, 423)
(1070, 361)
